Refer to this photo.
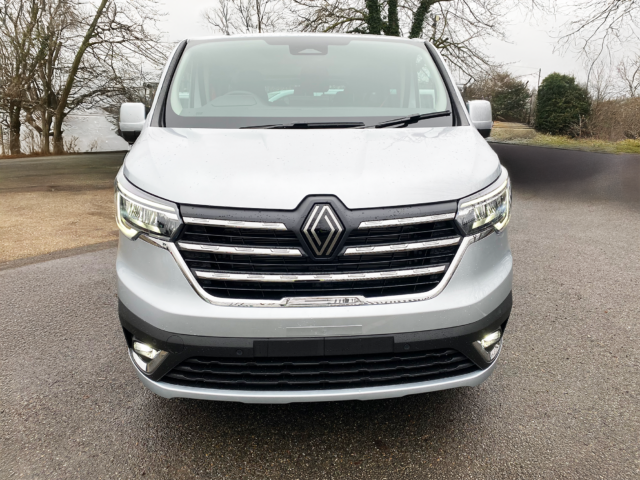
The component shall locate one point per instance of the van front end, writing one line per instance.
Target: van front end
(311, 218)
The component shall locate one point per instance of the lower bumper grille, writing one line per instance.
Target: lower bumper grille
(319, 373)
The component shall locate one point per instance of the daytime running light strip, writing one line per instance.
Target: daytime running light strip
(489, 195)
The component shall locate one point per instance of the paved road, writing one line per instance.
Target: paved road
(564, 401)
(66, 172)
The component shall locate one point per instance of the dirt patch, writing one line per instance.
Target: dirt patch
(50, 204)
(35, 223)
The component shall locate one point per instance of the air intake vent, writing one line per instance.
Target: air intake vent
(319, 373)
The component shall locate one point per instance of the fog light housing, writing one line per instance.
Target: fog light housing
(491, 339)
(146, 358)
(489, 346)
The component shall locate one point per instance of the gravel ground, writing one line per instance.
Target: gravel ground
(564, 402)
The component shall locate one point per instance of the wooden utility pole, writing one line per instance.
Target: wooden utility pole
(531, 101)
(539, 73)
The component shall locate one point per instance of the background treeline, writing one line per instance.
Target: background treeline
(608, 109)
(57, 56)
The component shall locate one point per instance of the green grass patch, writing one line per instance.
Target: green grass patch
(531, 137)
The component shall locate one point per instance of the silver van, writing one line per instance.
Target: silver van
(311, 217)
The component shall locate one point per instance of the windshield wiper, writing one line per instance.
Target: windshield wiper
(311, 125)
(404, 121)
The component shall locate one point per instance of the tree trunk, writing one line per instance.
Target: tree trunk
(14, 128)
(58, 145)
(58, 140)
(46, 129)
(1, 140)
(394, 24)
(259, 16)
(374, 19)
(418, 18)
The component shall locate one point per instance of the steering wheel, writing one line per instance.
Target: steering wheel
(243, 92)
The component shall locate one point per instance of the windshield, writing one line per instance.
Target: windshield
(253, 82)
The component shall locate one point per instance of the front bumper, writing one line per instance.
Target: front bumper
(183, 347)
(159, 307)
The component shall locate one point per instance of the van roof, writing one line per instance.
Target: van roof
(306, 34)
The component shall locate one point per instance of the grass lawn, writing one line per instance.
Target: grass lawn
(527, 136)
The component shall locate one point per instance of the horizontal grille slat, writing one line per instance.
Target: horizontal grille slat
(239, 236)
(272, 290)
(337, 286)
(402, 234)
(352, 263)
(320, 369)
(319, 373)
(211, 263)
(326, 360)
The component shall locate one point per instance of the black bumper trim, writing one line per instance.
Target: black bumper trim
(183, 347)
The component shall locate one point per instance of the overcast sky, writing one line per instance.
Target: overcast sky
(531, 45)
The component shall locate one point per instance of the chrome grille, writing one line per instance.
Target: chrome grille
(269, 261)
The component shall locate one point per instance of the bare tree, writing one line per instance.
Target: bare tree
(245, 16)
(628, 70)
(60, 55)
(119, 36)
(458, 28)
(600, 27)
(602, 84)
(20, 53)
(57, 31)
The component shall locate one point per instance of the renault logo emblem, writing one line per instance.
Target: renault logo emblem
(322, 229)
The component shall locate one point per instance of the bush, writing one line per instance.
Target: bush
(511, 104)
(615, 120)
(561, 105)
(509, 97)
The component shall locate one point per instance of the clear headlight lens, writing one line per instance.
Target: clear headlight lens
(136, 215)
(491, 210)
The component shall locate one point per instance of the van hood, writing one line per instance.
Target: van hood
(277, 169)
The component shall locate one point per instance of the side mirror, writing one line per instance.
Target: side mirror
(480, 114)
(132, 118)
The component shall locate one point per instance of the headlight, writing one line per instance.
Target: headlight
(489, 209)
(136, 214)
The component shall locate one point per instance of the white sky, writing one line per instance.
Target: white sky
(530, 47)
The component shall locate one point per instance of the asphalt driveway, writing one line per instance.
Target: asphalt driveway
(564, 401)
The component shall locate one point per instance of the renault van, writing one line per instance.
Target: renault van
(311, 217)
